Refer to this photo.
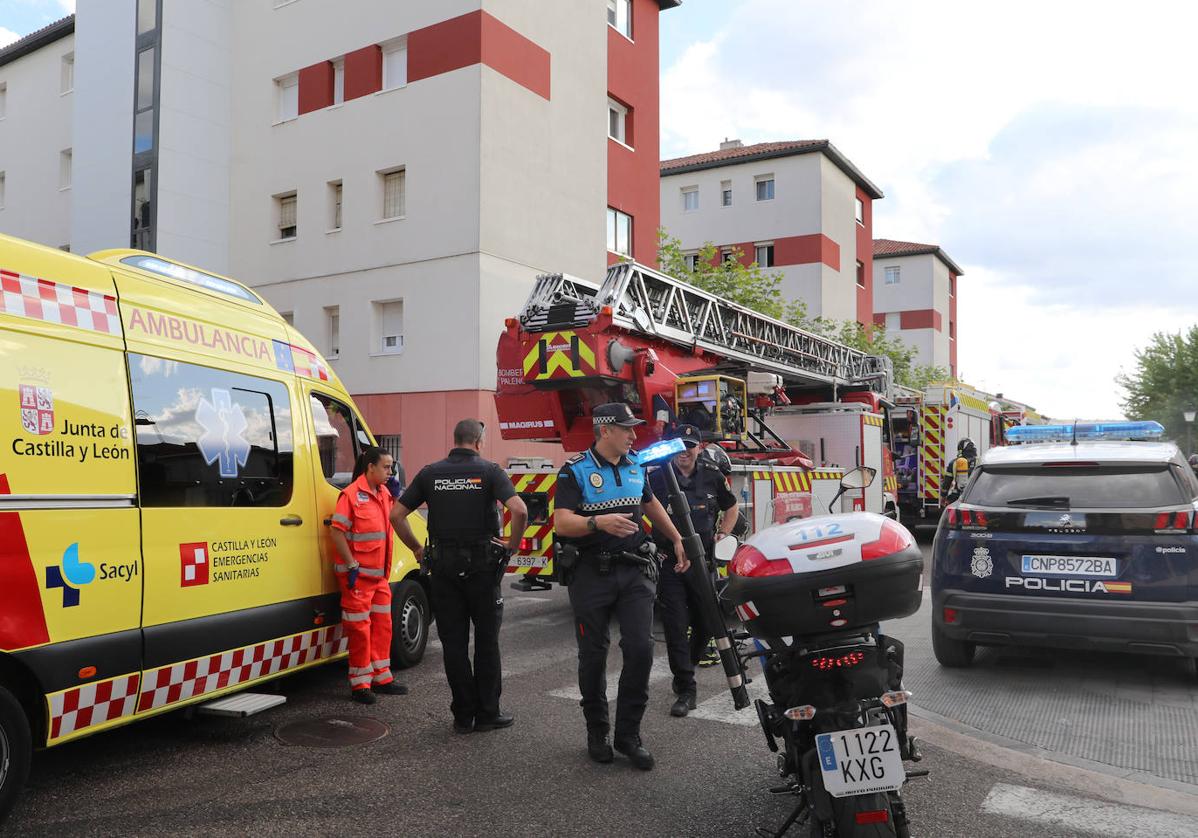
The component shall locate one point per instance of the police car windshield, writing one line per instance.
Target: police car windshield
(1087, 487)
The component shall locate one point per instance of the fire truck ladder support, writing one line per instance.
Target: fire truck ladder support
(648, 302)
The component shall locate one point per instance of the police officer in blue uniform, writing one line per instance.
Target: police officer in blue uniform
(713, 511)
(611, 569)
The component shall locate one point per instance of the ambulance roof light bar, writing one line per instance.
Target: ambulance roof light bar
(1086, 432)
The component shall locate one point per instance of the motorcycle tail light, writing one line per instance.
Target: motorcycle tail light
(804, 713)
(873, 816)
(893, 538)
(826, 663)
(894, 698)
(749, 561)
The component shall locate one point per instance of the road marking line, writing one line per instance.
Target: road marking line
(1085, 815)
(659, 672)
(719, 707)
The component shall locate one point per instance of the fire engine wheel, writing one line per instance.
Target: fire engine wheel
(410, 615)
(16, 749)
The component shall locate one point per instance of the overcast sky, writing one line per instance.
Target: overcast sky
(1049, 147)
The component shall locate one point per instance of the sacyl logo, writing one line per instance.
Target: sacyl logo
(71, 576)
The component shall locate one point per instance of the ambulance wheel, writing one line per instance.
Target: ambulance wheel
(951, 653)
(410, 614)
(16, 750)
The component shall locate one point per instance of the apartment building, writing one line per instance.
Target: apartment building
(799, 208)
(915, 298)
(390, 176)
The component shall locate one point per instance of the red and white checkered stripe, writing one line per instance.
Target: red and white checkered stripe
(79, 708)
(180, 681)
(748, 611)
(54, 302)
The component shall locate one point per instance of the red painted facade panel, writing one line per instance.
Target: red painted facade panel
(445, 46)
(806, 250)
(880, 318)
(925, 318)
(865, 255)
(363, 72)
(508, 52)
(316, 87)
(633, 175)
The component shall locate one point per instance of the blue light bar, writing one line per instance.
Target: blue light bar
(1086, 432)
(660, 451)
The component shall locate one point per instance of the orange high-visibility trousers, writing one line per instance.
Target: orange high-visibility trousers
(366, 623)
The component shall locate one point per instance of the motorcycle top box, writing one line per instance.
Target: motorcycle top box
(825, 574)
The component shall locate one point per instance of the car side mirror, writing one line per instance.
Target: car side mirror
(859, 478)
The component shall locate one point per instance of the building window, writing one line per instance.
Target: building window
(3, 99)
(332, 319)
(728, 256)
(338, 81)
(690, 199)
(68, 73)
(952, 286)
(64, 169)
(764, 255)
(285, 206)
(894, 321)
(952, 330)
(388, 319)
(726, 193)
(286, 98)
(860, 274)
(894, 275)
(2, 178)
(691, 260)
(395, 64)
(143, 119)
(619, 16)
(334, 205)
(617, 121)
(394, 197)
(147, 16)
(619, 232)
(765, 187)
(860, 209)
(142, 237)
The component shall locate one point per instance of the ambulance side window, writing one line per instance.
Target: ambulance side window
(208, 437)
(339, 439)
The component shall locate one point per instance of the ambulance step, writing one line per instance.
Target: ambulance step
(241, 704)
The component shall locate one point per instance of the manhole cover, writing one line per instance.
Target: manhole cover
(332, 732)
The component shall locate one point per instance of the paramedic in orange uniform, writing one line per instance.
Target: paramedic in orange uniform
(361, 529)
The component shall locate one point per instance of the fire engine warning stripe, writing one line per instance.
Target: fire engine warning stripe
(56, 302)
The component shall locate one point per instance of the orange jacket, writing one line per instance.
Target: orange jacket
(365, 518)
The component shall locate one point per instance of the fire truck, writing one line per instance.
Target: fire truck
(677, 354)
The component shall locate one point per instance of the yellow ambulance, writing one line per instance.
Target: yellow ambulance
(171, 452)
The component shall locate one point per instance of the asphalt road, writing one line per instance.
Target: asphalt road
(182, 774)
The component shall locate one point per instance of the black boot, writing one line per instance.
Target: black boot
(362, 696)
(390, 688)
(598, 747)
(500, 719)
(683, 705)
(637, 754)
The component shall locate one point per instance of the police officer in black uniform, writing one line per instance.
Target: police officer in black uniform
(713, 511)
(604, 554)
(466, 562)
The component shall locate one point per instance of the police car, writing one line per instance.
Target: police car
(1085, 539)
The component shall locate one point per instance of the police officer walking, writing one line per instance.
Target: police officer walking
(707, 494)
(361, 535)
(466, 562)
(611, 569)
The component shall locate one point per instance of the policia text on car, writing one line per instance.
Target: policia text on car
(466, 562)
(611, 568)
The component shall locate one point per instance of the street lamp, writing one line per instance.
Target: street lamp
(1189, 415)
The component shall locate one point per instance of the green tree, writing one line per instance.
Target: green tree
(756, 288)
(1164, 383)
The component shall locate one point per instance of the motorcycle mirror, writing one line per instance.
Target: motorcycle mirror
(859, 478)
(725, 549)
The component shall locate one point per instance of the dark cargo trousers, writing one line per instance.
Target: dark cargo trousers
(628, 595)
(458, 602)
(680, 612)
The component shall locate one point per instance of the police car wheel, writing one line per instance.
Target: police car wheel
(16, 750)
(409, 623)
(951, 653)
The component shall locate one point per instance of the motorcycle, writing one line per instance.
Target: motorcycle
(811, 595)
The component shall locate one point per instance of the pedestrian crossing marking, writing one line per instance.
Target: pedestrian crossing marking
(1084, 815)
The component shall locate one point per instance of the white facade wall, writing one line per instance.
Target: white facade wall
(923, 284)
(35, 129)
(811, 196)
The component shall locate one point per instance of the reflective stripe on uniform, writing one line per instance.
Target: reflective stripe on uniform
(381, 609)
(355, 616)
(341, 519)
(382, 664)
(360, 681)
(376, 535)
(361, 670)
(372, 571)
(341, 568)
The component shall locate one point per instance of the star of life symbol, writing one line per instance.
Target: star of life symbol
(37, 409)
(981, 566)
(224, 427)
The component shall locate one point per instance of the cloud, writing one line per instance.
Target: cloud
(7, 36)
